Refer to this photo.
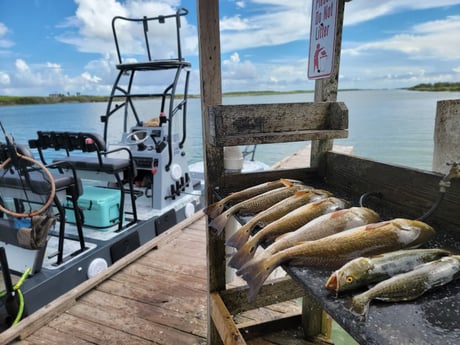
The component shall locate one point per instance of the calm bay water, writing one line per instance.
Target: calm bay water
(393, 126)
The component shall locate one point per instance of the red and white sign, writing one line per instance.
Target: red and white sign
(322, 38)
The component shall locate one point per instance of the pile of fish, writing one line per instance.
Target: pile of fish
(299, 225)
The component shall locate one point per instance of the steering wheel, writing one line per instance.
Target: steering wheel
(50, 179)
(137, 137)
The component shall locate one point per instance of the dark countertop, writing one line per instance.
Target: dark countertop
(431, 319)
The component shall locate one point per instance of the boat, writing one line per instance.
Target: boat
(73, 203)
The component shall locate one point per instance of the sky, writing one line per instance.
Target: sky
(66, 46)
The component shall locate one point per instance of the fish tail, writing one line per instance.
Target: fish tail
(244, 254)
(360, 304)
(240, 237)
(255, 273)
(214, 209)
(219, 222)
(286, 182)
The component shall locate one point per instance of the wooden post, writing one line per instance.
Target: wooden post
(446, 135)
(326, 89)
(211, 94)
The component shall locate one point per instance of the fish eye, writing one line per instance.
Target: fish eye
(349, 279)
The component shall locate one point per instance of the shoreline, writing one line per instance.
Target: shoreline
(61, 98)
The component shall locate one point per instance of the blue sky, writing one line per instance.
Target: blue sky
(66, 46)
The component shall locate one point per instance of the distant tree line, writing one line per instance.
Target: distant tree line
(436, 87)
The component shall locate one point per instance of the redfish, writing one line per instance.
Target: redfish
(410, 285)
(240, 237)
(325, 225)
(333, 251)
(290, 222)
(365, 270)
(256, 204)
(216, 208)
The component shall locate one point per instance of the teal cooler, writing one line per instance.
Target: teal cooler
(100, 207)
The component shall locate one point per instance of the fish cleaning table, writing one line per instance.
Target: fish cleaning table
(433, 318)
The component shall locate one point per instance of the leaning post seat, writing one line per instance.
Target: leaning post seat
(122, 169)
(33, 187)
(150, 57)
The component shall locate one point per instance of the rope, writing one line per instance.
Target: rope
(48, 202)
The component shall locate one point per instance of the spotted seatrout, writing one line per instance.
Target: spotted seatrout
(333, 251)
(216, 208)
(240, 237)
(410, 285)
(365, 270)
(256, 204)
(290, 222)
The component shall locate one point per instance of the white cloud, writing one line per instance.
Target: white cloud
(4, 79)
(90, 30)
(22, 66)
(430, 40)
(358, 11)
(4, 42)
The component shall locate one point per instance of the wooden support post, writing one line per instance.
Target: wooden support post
(211, 94)
(312, 316)
(326, 89)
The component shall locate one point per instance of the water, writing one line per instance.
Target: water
(394, 126)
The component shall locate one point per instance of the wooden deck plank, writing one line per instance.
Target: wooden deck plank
(126, 320)
(95, 333)
(193, 324)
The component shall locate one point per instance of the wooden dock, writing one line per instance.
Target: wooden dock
(155, 295)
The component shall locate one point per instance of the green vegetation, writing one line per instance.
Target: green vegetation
(61, 98)
(436, 87)
(25, 100)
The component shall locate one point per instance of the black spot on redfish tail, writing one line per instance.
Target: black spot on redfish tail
(243, 255)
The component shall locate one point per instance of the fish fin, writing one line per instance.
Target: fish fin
(240, 237)
(302, 192)
(286, 182)
(214, 209)
(376, 225)
(244, 254)
(219, 222)
(360, 304)
(339, 213)
(255, 272)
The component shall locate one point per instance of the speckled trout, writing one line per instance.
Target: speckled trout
(410, 285)
(333, 251)
(290, 222)
(216, 208)
(240, 237)
(366, 270)
(256, 204)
